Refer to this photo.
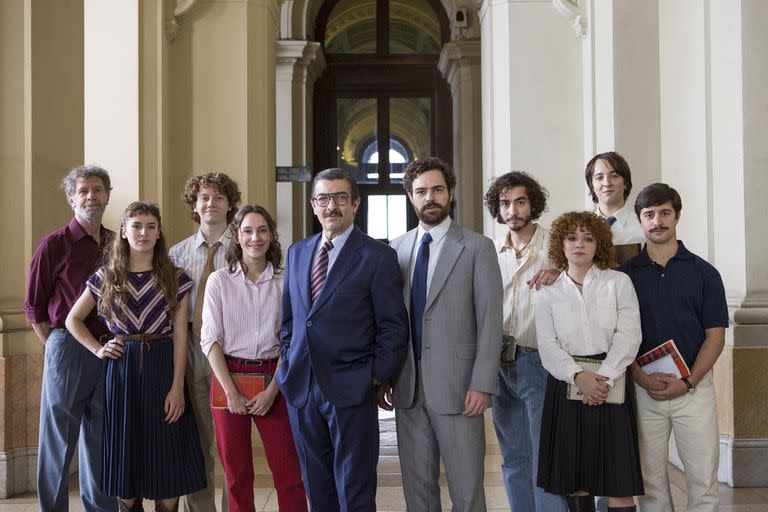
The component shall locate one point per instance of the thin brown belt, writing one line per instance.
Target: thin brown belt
(144, 339)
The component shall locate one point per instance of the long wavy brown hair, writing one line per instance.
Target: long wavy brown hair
(234, 255)
(114, 287)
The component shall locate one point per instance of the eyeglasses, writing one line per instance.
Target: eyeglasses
(340, 198)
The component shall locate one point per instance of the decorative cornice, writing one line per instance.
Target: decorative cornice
(573, 11)
(306, 57)
(457, 54)
(14, 320)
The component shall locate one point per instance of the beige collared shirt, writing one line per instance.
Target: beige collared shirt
(519, 318)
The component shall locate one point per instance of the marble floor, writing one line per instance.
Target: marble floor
(390, 491)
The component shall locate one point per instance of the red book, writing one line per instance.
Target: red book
(248, 384)
(665, 358)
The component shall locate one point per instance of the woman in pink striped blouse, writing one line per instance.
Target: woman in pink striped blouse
(240, 334)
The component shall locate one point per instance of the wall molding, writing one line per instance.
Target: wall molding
(18, 471)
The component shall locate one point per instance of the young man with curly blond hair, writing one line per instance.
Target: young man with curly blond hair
(212, 199)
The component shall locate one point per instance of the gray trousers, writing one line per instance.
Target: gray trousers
(71, 414)
(198, 378)
(423, 438)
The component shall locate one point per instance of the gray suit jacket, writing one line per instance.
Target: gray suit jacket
(461, 339)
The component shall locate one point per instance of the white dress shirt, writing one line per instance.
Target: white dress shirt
(242, 316)
(435, 246)
(626, 229)
(191, 254)
(519, 320)
(604, 319)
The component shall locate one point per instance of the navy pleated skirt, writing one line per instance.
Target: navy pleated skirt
(143, 455)
(589, 448)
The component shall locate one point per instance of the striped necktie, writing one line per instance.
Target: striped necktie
(320, 270)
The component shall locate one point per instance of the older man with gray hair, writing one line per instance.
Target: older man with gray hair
(71, 401)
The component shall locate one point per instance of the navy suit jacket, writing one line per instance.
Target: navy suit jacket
(356, 331)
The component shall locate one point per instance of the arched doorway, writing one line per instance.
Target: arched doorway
(381, 102)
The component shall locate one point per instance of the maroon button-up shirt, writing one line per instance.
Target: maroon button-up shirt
(63, 262)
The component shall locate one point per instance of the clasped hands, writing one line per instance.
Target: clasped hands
(593, 387)
(259, 405)
(661, 386)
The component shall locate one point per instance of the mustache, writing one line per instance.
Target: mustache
(510, 219)
(661, 228)
(332, 213)
(430, 205)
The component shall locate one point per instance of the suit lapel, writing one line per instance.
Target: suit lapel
(450, 252)
(348, 256)
(303, 267)
(404, 256)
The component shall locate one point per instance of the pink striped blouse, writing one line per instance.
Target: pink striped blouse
(241, 316)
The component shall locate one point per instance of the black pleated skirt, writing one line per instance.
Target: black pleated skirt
(143, 455)
(589, 448)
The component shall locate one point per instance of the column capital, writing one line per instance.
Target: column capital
(299, 60)
(457, 54)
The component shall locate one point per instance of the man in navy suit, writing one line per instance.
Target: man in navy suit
(344, 332)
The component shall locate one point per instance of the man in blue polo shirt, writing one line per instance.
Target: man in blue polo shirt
(681, 298)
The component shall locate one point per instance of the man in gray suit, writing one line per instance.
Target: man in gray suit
(452, 287)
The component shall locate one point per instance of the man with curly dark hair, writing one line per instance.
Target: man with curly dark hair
(517, 200)
(212, 199)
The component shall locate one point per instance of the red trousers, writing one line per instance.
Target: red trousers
(233, 439)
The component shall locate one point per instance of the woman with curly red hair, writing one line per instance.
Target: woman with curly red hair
(588, 329)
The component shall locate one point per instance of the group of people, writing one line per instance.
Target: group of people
(543, 326)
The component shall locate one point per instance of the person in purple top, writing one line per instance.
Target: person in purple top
(71, 400)
(151, 447)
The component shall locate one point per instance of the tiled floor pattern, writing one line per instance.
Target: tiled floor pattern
(390, 492)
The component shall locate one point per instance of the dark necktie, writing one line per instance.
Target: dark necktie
(611, 220)
(320, 270)
(419, 293)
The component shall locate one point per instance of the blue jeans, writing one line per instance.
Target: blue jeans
(517, 413)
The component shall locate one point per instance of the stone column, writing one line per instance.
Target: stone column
(532, 100)
(221, 99)
(41, 137)
(299, 64)
(737, 72)
(460, 65)
(621, 84)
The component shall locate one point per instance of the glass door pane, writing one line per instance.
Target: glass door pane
(351, 27)
(356, 138)
(386, 216)
(410, 128)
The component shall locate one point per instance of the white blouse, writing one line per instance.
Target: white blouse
(605, 319)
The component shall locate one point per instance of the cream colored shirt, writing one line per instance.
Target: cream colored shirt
(519, 320)
(626, 229)
(191, 254)
(605, 319)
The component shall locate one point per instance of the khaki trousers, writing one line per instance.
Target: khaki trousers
(693, 419)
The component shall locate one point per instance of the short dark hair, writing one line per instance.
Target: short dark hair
(219, 182)
(422, 165)
(69, 181)
(336, 173)
(656, 194)
(537, 194)
(618, 163)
